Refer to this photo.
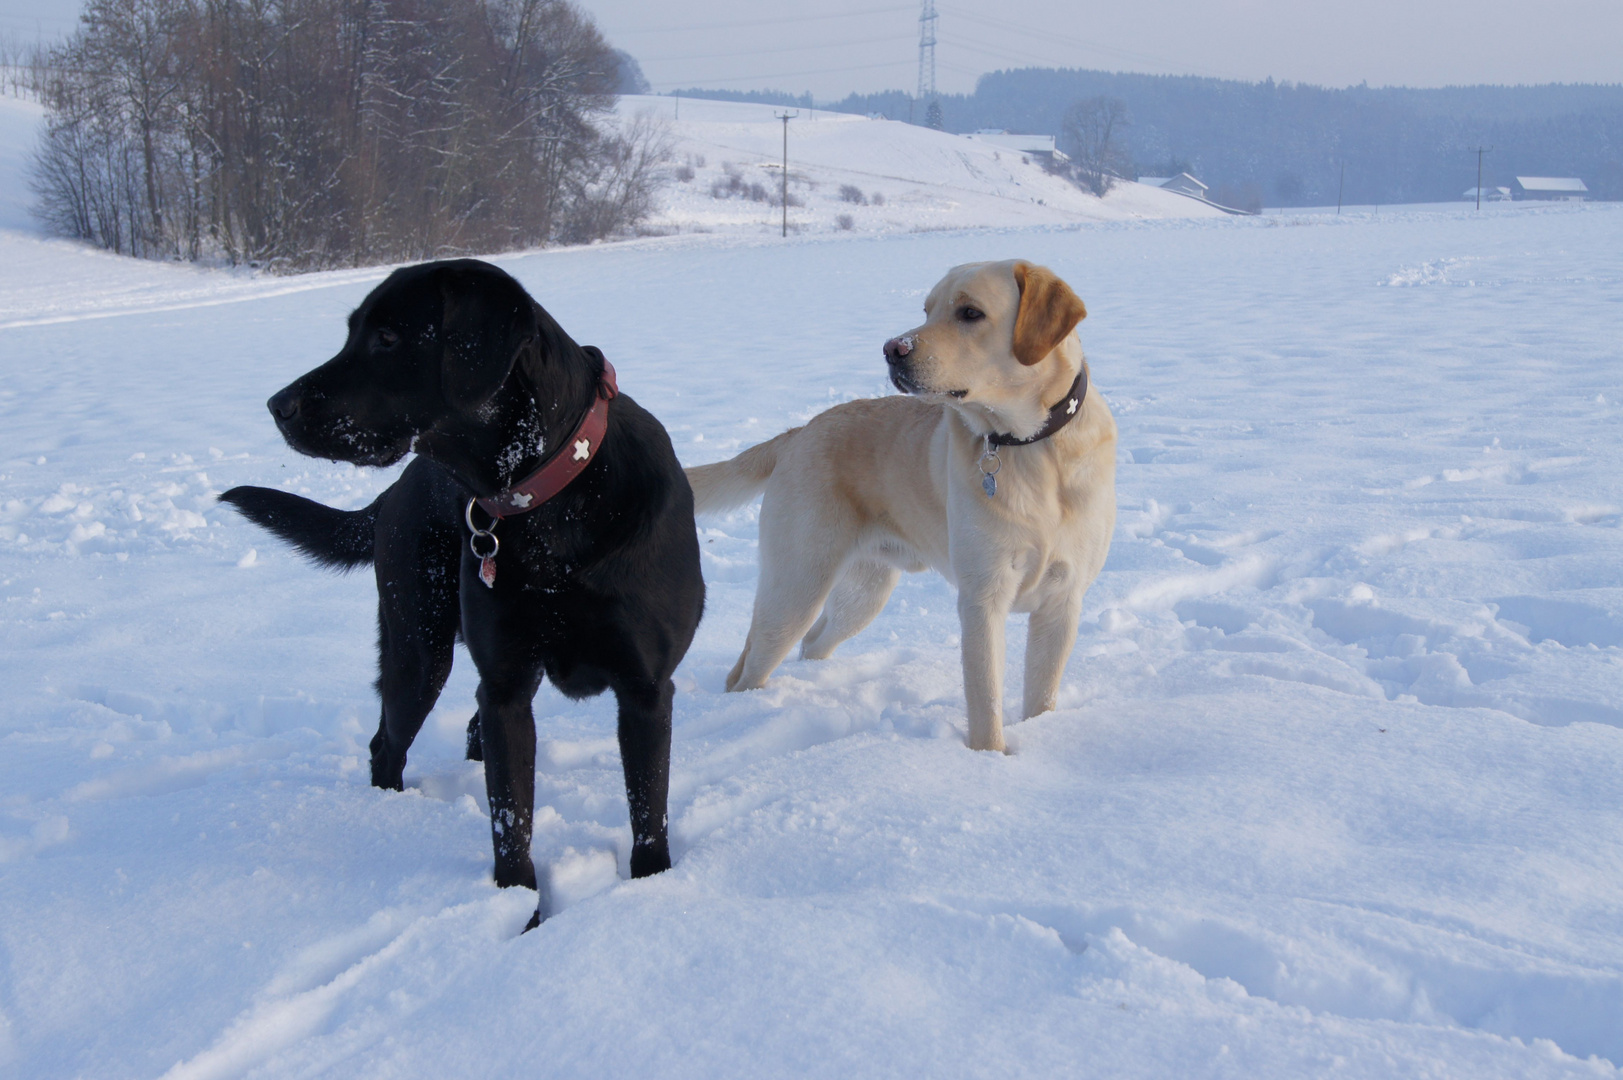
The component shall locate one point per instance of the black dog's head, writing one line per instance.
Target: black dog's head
(427, 351)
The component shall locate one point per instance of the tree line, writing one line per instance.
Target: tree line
(297, 134)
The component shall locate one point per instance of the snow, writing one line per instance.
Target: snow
(926, 179)
(19, 125)
(1335, 784)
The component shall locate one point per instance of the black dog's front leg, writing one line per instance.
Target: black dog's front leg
(645, 753)
(507, 737)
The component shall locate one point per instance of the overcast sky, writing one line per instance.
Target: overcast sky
(832, 47)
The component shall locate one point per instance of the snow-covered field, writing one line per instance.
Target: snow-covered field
(727, 175)
(1335, 788)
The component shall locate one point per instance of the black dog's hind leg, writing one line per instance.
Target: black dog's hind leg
(645, 753)
(475, 751)
(507, 739)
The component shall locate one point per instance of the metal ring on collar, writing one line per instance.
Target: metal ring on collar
(989, 452)
(473, 541)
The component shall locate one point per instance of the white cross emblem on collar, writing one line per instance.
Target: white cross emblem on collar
(1070, 410)
(583, 449)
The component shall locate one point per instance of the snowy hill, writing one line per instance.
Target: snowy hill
(923, 179)
(1335, 786)
(19, 125)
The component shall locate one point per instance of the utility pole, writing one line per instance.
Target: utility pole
(1479, 152)
(1341, 186)
(786, 117)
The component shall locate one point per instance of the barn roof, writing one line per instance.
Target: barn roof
(1551, 183)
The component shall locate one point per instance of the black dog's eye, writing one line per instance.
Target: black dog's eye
(969, 314)
(387, 339)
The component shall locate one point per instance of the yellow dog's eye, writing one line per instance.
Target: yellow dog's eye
(969, 314)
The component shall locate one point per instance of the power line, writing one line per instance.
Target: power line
(993, 51)
(1081, 43)
(772, 52)
(791, 74)
(760, 22)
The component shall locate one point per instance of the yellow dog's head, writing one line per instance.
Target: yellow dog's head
(997, 343)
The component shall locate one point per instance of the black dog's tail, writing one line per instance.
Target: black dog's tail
(335, 539)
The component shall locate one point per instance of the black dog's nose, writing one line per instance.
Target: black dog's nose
(284, 405)
(897, 348)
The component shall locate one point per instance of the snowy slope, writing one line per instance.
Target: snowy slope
(1335, 787)
(926, 179)
(19, 124)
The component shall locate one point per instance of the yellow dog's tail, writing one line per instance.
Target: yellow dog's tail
(727, 485)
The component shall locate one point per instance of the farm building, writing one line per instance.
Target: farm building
(1183, 184)
(1556, 188)
(1041, 146)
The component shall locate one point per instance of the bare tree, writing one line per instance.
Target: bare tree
(22, 67)
(619, 187)
(300, 133)
(1091, 134)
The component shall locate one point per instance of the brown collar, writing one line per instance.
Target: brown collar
(1066, 410)
(566, 463)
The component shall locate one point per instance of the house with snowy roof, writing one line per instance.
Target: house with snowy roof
(1034, 145)
(1556, 188)
(1183, 184)
(1487, 194)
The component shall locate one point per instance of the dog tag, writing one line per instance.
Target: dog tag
(989, 484)
(487, 571)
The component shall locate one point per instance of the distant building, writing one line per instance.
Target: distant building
(1035, 145)
(1183, 184)
(1557, 188)
(1489, 194)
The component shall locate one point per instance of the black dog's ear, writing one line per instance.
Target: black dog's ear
(488, 318)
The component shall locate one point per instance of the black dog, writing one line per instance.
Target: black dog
(598, 587)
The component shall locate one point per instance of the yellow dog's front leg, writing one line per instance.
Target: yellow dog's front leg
(982, 614)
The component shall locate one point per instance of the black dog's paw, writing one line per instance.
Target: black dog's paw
(650, 859)
(476, 749)
(535, 921)
(387, 773)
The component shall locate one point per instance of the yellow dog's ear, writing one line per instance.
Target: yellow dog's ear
(1049, 310)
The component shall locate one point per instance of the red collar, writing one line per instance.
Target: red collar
(566, 463)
